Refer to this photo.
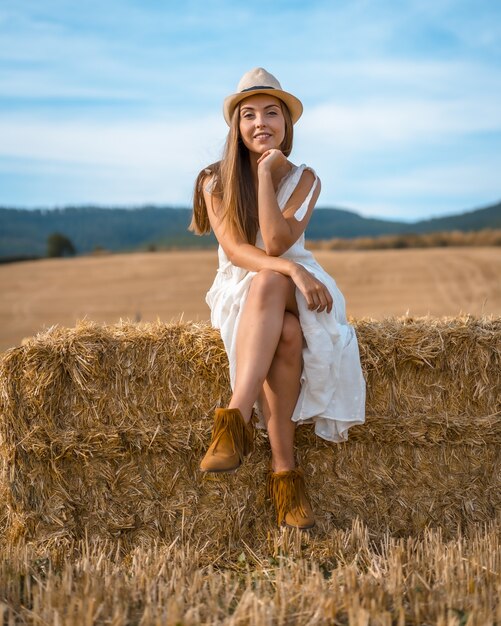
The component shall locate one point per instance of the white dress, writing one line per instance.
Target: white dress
(333, 388)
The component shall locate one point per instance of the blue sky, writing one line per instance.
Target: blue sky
(119, 102)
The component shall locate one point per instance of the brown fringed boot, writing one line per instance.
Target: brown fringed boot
(232, 439)
(287, 490)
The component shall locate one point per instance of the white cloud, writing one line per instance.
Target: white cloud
(389, 74)
(120, 162)
(350, 132)
(456, 180)
(129, 144)
(424, 192)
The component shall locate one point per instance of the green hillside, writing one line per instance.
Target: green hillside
(488, 217)
(326, 223)
(24, 232)
(329, 223)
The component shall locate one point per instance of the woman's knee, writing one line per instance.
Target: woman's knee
(291, 339)
(269, 283)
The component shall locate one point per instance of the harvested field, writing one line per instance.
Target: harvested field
(166, 285)
(106, 519)
(359, 581)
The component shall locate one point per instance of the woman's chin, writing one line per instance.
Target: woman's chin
(259, 150)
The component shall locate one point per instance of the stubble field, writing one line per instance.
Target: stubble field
(172, 285)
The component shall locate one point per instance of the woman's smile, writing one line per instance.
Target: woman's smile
(262, 136)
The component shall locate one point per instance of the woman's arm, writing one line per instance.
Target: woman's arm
(280, 229)
(245, 255)
(240, 252)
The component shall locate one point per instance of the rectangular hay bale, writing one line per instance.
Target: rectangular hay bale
(102, 429)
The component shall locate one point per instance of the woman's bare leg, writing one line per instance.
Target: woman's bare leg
(259, 332)
(280, 393)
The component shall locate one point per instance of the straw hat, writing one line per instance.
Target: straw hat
(256, 81)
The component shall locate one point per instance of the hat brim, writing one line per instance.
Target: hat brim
(293, 104)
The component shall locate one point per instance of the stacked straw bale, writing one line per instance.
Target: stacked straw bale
(102, 429)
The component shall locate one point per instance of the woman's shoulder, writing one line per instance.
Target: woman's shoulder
(304, 167)
(303, 171)
(305, 176)
(209, 176)
(209, 181)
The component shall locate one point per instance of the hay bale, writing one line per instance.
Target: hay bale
(432, 366)
(102, 428)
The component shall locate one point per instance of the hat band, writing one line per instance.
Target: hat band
(257, 87)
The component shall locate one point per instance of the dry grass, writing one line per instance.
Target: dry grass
(483, 237)
(358, 581)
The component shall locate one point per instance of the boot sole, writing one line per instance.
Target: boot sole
(299, 527)
(230, 471)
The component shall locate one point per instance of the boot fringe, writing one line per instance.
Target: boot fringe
(231, 422)
(285, 488)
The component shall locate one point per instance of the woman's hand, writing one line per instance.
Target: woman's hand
(271, 160)
(316, 293)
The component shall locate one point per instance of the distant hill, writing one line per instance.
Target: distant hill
(488, 217)
(24, 232)
(328, 223)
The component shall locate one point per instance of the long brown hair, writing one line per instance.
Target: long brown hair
(232, 181)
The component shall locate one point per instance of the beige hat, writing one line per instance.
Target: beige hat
(256, 81)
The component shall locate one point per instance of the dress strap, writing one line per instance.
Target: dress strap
(288, 185)
(303, 209)
(210, 184)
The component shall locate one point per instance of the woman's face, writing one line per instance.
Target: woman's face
(262, 123)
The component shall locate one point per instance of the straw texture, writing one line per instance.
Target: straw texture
(102, 429)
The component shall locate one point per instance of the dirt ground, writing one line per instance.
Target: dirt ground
(172, 285)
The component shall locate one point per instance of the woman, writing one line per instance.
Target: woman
(292, 355)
